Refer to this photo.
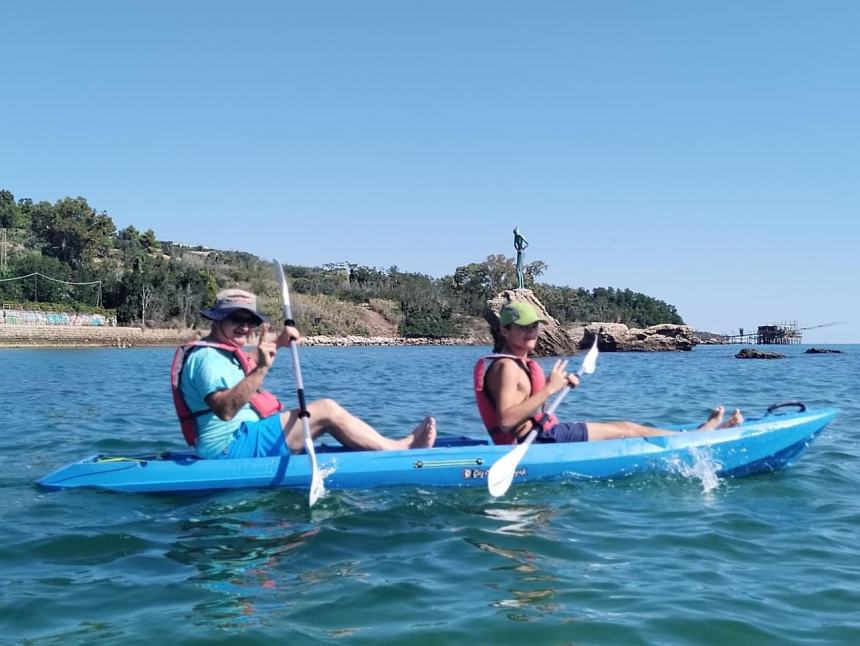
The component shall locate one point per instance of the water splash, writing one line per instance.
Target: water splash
(703, 468)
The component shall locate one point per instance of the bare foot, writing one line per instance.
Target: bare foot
(735, 420)
(714, 420)
(424, 435)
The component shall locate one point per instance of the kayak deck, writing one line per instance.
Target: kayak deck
(759, 445)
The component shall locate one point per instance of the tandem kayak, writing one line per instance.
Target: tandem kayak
(759, 445)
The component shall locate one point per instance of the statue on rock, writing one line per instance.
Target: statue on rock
(556, 341)
(520, 244)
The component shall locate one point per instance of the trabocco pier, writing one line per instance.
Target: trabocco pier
(787, 332)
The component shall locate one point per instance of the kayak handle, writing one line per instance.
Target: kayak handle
(774, 407)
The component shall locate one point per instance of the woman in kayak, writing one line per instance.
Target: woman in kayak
(223, 409)
(512, 391)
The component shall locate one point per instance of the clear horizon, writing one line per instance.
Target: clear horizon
(704, 155)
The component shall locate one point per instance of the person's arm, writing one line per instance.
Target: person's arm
(510, 387)
(226, 403)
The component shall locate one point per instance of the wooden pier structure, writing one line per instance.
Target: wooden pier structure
(775, 333)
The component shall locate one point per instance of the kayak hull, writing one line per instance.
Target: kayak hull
(760, 445)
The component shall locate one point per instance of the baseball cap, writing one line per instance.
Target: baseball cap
(520, 313)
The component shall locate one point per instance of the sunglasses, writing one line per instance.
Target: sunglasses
(244, 319)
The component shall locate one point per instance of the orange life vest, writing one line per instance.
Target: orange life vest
(263, 402)
(486, 406)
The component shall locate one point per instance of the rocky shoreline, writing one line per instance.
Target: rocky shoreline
(614, 337)
(47, 336)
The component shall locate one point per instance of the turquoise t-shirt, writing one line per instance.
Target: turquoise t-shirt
(208, 370)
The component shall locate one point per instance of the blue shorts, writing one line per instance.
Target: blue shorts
(261, 439)
(564, 432)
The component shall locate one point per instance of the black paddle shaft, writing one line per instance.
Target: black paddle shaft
(303, 406)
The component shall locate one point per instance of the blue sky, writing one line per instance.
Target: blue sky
(706, 154)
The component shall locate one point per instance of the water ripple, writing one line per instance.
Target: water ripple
(689, 558)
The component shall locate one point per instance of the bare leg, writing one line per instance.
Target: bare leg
(327, 416)
(620, 430)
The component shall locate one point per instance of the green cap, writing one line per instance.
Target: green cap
(521, 313)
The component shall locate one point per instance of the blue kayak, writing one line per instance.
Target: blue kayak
(759, 445)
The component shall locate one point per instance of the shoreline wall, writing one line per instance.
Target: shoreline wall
(51, 336)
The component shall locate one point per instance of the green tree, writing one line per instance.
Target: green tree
(149, 242)
(194, 288)
(72, 231)
(474, 284)
(38, 288)
(143, 291)
(12, 216)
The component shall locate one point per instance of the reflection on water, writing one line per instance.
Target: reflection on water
(238, 554)
(521, 521)
(530, 588)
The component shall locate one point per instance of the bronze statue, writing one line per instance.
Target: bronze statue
(520, 243)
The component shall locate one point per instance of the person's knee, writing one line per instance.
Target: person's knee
(325, 409)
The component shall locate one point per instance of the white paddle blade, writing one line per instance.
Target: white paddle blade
(285, 290)
(317, 485)
(589, 364)
(502, 473)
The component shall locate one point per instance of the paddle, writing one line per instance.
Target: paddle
(317, 486)
(501, 474)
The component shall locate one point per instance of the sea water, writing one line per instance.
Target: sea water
(684, 559)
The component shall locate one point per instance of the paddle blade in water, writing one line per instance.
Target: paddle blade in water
(317, 484)
(501, 474)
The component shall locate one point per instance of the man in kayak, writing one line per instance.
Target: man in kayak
(512, 391)
(223, 409)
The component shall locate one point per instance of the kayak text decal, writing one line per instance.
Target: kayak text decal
(481, 474)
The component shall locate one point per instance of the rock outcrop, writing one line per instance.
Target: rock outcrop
(617, 337)
(750, 353)
(709, 338)
(614, 337)
(554, 340)
(822, 351)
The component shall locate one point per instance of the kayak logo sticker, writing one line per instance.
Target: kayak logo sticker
(481, 474)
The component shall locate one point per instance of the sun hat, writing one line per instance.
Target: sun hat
(520, 313)
(228, 301)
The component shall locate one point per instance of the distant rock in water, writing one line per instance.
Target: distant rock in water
(822, 351)
(749, 353)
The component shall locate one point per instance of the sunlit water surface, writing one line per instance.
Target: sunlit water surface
(771, 559)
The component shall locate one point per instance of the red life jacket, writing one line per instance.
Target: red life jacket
(263, 402)
(487, 408)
